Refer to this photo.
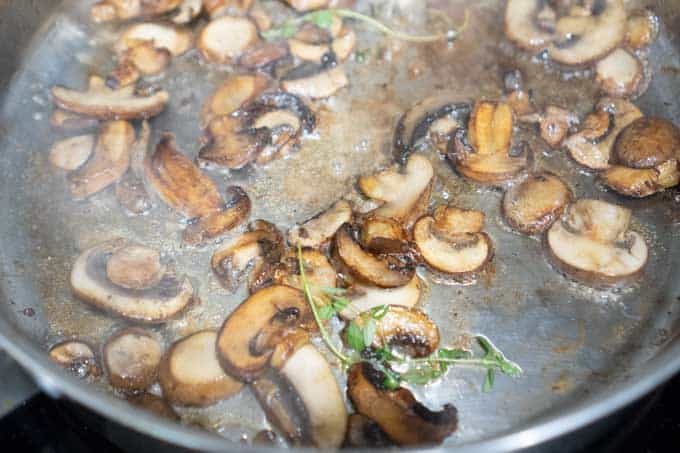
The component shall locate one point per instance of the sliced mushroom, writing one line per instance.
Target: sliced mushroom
(307, 5)
(458, 255)
(642, 29)
(318, 231)
(381, 271)
(187, 11)
(405, 420)
(131, 358)
(315, 84)
(110, 160)
(405, 195)
(487, 157)
(90, 283)
(233, 94)
(522, 26)
(71, 153)
(451, 221)
(382, 235)
(131, 190)
(190, 374)
(362, 432)
(640, 183)
(585, 39)
(108, 10)
(216, 8)
(263, 55)
(647, 143)
(177, 40)
(103, 103)
(363, 298)
(77, 357)
(181, 185)
(555, 124)
(408, 329)
(224, 39)
(439, 116)
(592, 145)
(282, 406)
(534, 205)
(252, 332)
(63, 120)
(324, 52)
(230, 147)
(154, 404)
(594, 245)
(318, 272)
(620, 74)
(135, 267)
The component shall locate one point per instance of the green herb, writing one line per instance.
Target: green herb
(379, 312)
(369, 332)
(489, 380)
(360, 56)
(326, 312)
(340, 303)
(355, 337)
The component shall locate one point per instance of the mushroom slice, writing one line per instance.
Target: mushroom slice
(592, 146)
(283, 408)
(318, 272)
(319, 230)
(224, 39)
(362, 432)
(619, 74)
(589, 38)
(647, 142)
(439, 115)
(366, 267)
(131, 358)
(77, 357)
(522, 26)
(231, 147)
(263, 55)
(593, 244)
(108, 10)
(486, 159)
(363, 298)
(405, 420)
(313, 52)
(90, 283)
(405, 195)
(316, 84)
(233, 213)
(190, 374)
(103, 103)
(154, 404)
(131, 191)
(408, 329)
(381, 235)
(555, 124)
(216, 8)
(533, 206)
(110, 160)
(307, 5)
(450, 220)
(71, 153)
(187, 11)
(135, 267)
(458, 255)
(640, 183)
(177, 40)
(233, 94)
(68, 121)
(255, 328)
(642, 29)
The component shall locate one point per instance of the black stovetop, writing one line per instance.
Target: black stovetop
(43, 425)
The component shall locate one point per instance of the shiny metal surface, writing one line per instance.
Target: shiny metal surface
(585, 353)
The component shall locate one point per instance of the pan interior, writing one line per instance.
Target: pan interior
(574, 343)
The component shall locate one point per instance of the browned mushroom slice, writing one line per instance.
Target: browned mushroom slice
(585, 39)
(135, 267)
(405, 195)
(283, 128)
(594, 245)
(438, 115)
(533, 206)
(90, 283)
(486, 159)
(187, 11)
(640, 183)
(642, 29)
(131, 358)
(307, 5)
(363, 298)
(233, 94)
(110, 160)
(619, 74)
(458, 255)
(190, 374)
(177, 40)
(405, 420)
(154, 404)
(216, 8)
(283, 408)
(255, 328)
(108, 10)
(318, 271)
(230, 147)
(450, 220)
(71, 153)
(592, 146)
(319, 230)
(131, 190)
(77, 357)
(315, 83)
(382, 235)
(263, 55)
(384, 272)
(407, 329)
(224, 39)
(522, 26)
(555, 124)
(234, 212)
(362, 432)
(647, 143)
(313, 52)
(63, 120)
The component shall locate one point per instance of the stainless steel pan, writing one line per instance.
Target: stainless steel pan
(585, 353)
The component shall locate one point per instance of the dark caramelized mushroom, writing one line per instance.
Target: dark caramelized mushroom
(362, 432)
(382, 235)
(647, 142)
(405, 420)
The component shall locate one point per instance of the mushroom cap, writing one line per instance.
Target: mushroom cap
(177, 40)
(89, 282)
(191, 375)
(255, 328)
(224, 39)
(233, 94)
(521, 27)
(131, 358)
(642, 182)
(319, 230)
(647, 142)
(135, 267)
(620, 74)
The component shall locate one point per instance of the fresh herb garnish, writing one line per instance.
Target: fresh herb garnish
(324, 19)
(361, 332)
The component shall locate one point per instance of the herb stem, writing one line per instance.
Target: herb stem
(310, 300)
(389, 31)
